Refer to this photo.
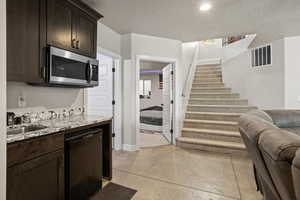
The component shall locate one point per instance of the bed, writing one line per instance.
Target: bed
(151, 119)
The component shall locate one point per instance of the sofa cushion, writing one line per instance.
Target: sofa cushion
(285, 118)
(261, 114)
(253, 126)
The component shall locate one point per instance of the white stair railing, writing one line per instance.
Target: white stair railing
(189, 81)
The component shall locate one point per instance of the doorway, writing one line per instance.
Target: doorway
(155, 107)
(105, 99)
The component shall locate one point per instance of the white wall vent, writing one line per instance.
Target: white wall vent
(261, 56)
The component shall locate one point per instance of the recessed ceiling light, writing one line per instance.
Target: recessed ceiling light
(205, 7)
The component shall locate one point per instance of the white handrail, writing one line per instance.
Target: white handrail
(189, 76)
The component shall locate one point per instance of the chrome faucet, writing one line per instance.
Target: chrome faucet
(53, 115)
(26, 118)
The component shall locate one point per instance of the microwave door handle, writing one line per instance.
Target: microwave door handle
(91, 72)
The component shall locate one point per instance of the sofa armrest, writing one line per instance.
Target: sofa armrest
(280, 145)
(285, 118)
(296, 173)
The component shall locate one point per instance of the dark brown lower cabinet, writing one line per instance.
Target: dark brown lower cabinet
(41, 178)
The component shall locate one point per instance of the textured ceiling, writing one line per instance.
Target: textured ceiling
(182, 20)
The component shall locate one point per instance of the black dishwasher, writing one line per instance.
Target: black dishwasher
(83, 164)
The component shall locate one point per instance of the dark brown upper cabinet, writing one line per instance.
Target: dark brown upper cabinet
(59, 24)
(32, 25)
(71, 27)
(23, 39)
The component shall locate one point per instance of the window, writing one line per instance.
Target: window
(145, 89)
(261, 56)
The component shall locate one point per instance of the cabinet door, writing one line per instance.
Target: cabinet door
(23, 41)
(40, 178)
(59, 24)
(86, 34)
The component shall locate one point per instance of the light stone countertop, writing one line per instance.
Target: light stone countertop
(57, 125)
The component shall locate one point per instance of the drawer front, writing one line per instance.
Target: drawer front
(30, 149)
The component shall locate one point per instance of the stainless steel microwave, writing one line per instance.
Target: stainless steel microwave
(66, 68)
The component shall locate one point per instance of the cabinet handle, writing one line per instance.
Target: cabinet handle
(73, 43)
(77, 44)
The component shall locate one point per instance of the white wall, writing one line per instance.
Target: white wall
(128, 105)
(216, 50)
(156, 93)
(292, 73)
(3, 100)
(263, 86)
(43, 96)
(109, 39)
(210, 50)
(188, 53)
(132, 46)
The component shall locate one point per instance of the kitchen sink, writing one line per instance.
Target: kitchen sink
(25, 129)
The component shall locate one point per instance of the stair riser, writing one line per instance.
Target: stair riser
(219, 102)
(211, 117)
(215, 96)
(212, 137)
(210, 126)
(207, 81)
(208, 90)
(204, 78)
(208, 85)
(212, 149)
(216, 109)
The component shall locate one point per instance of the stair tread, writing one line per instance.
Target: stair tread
(217, 93)
(220, 99)
(211, 88)
(214, 113)
(212, 121)
(213, 131)
(208, 70)
(216, 143)
(222, 106)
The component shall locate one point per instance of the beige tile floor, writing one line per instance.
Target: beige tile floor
(171, 173)
(152, 139)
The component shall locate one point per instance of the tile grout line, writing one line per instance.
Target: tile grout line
(236, 178)
(184, 186)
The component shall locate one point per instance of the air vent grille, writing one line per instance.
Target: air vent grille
(261, 56)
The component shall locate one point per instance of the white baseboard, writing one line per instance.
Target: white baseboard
(128, 147)
(212, 61)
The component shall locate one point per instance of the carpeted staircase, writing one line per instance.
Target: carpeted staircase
(212, 114)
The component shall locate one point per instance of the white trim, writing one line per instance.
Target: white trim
(3, 99)
(128, 147)
(211, 61)
(176, 117)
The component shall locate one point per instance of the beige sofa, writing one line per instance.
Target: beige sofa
(272, 139)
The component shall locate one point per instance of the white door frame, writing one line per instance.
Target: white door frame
(3, 99)
(117, 94)
(174, 61)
